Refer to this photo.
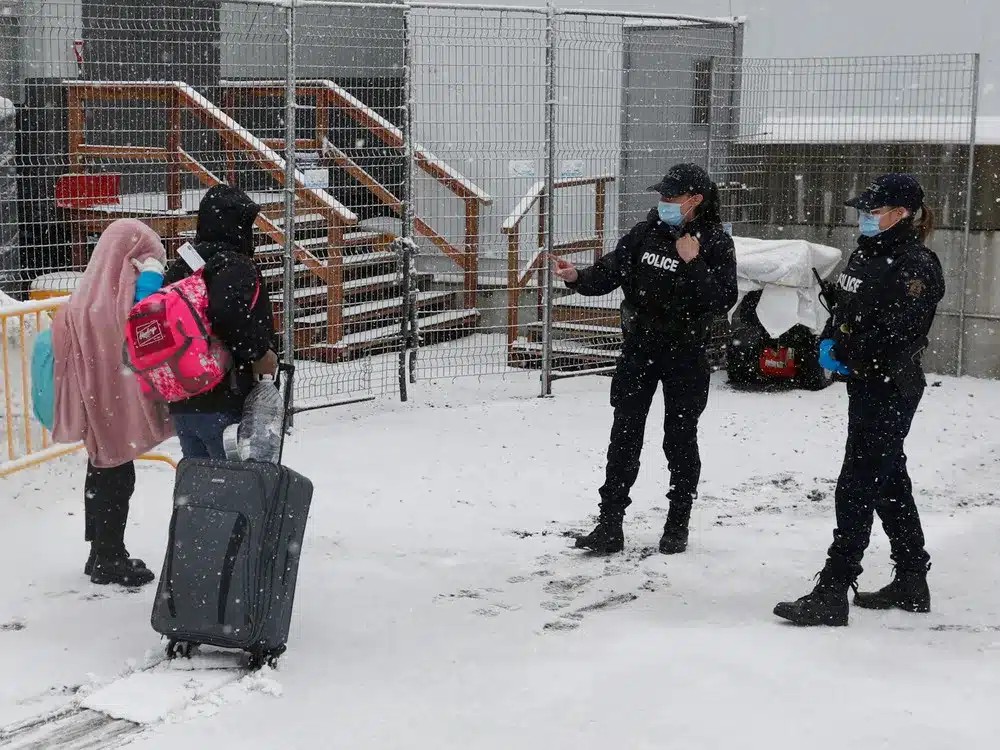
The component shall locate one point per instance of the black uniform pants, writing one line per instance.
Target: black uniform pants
(685, 378)
(874, 479)
(106, 495)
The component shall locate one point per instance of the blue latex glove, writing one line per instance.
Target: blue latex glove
(150, 278)
(826, 360)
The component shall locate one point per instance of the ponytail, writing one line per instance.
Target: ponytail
(924, 224)
(711, 208)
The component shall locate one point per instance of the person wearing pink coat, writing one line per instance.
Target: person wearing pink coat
(97, 400)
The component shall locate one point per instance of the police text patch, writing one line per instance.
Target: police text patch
(849, 284)
(660, 261)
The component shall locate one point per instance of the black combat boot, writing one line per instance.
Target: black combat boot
(122, 570)
(827, 603)
(607, 538)
(675, 532)
(908, 591)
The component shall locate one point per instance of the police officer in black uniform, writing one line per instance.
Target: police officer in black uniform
(678, 271)
(883, 306)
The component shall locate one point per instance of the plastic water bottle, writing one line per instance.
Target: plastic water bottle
(259, 435)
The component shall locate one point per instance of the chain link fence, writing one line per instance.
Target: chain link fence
(813, 132)
(417, 164)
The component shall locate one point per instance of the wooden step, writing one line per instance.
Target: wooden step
(595, 311)
(276, 250)
(358, 240)
(434, 328)
(595, 337)
(302, 221)
(568, 356)
(592, 316)
(367, 315)
(355, 267)
(367, 286)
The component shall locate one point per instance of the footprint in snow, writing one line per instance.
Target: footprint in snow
(566, 585)
(493, 610)
(572, 620)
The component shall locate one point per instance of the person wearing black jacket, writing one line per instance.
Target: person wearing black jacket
(678, 271)
(882, 309)
(224, 240)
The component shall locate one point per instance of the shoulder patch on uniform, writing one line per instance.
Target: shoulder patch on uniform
(915, 287)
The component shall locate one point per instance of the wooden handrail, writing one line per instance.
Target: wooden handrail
(536, 193)
(343, 161)
(518, 276)
(179, 96)
(208, 179)
(138, 153)
(331, 94)
(235, 135)
(327, 95)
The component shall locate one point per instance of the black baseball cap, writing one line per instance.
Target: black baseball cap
(683, 179)
(893, 190)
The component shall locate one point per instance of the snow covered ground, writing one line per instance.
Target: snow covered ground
(440, 605)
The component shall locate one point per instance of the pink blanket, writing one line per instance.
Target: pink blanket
(96, 399)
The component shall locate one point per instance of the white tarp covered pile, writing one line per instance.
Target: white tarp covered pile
(783, 270)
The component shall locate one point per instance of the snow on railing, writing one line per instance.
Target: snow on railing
(538, 189)
(382, 128)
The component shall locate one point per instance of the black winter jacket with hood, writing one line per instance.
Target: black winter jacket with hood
(224, 240)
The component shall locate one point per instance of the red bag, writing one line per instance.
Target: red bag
(778, 362)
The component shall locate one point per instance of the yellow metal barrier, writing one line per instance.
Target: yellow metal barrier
(26, 442)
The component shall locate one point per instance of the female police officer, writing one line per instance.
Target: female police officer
(882, 309)
(677, 270)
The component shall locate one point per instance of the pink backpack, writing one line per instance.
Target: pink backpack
(169, 343)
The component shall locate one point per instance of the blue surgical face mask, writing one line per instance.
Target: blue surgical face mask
(870, 225)
(670, 213)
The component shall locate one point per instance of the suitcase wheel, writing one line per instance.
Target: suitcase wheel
(260, 657)
(177, 648)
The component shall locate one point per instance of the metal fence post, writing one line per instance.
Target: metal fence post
(709, 118)
(404, 255)
(550, 162)
(288, 281)
(406, 328)
(969, 184)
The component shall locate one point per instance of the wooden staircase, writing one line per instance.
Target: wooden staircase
(372, 295)
(586, 334)
(371, 274)
(586, 330)
(348, 279)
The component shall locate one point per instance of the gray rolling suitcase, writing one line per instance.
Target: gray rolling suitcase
(232, 558)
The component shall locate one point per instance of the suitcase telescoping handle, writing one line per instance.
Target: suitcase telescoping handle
(289, 371)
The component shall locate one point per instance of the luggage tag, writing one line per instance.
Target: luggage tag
(190, 256)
